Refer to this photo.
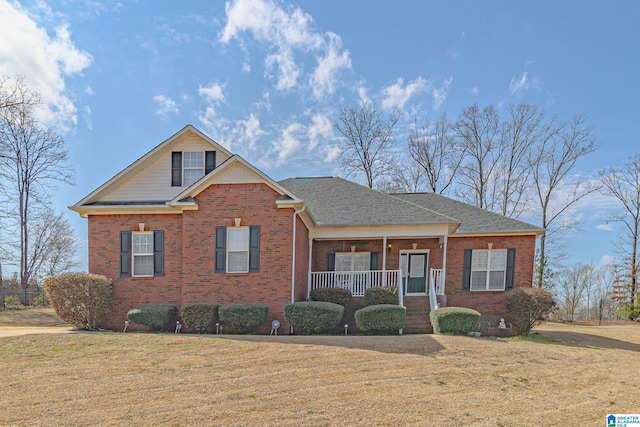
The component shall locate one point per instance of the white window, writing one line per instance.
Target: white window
(488, 270)
(238, 250)
(192, 167)
(143, 254)
(353, 261)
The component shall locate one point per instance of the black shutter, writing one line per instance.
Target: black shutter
(374, 261)
(176, 169)
(158, 253)
(511, 263)
(466, 270)
(210, 161)
(254, 248)
(125, 253)
(221, 237)
(331, 261)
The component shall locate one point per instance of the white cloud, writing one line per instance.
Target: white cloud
(166, 105)
(287, 33)
(213, 92)
(474, 90)
(606, 260)
(44, 61)
(604, 227)
(324, 77)
(250, 132)
(398, 94)
(519, 84)
(440, 94)
(89, 91)
(288, 143)
(321, 127)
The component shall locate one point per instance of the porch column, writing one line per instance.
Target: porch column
(309, 270)
(384, 261)
(444, 261)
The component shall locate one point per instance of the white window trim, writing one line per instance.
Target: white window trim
(488, 270)
(134, 254)
(191, 168)
(229, 230)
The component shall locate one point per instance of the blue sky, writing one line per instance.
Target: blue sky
(267, 78)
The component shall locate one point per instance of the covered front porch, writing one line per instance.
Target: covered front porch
(416, 266)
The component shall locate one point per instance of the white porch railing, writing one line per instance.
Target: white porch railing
(356, 281)
(437, 278)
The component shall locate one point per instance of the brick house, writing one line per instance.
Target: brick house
(191, 222)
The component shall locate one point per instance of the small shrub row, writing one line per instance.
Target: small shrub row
(157, 317)
(79, 298)
(335, 295)
(454, 320)
(381, 318)
(313, 316)
(381, 295)
(242, 318)
(201, 317)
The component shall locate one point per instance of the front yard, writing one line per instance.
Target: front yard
(164, 379)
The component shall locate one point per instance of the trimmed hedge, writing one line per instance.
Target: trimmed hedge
(527, 307)
(454, 320)
(386, 318)
(381, 295)
(79, 298)
(313, 316)
(242, 318)
(335, 295)
(200, 317)
(158, 317)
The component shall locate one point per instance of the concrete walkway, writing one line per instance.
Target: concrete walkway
(13, 331)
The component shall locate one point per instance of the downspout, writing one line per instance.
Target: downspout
(293, 255)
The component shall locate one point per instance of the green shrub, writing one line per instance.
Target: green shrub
(527, 307)
(385, 318)
(313, 316)
(454, 320)
(335, 295)
(41, 299)
(79, 298)
(242, 318)
(200, 317)
(158, 317)
(381, 295)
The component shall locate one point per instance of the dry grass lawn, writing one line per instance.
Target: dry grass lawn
(165, 379)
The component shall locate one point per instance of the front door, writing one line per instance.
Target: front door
(414, 272)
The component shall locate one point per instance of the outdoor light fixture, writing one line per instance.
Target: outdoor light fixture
(389, 247)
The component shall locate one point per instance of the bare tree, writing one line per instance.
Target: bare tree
(368, 141)
(624, 184)
(519, 133)
(560, 148)
(33, 159)
(570, 288)
(403, 177)
(477, 133)
(58, 244)
(434, 150)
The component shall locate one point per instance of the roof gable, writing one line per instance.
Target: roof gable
(149, 177)
(235, 170)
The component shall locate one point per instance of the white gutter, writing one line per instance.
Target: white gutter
(293, 255)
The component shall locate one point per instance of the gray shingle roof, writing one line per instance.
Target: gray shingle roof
(473, 219)
(336, 201)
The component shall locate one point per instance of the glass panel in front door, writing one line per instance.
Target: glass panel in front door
(417, 277)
